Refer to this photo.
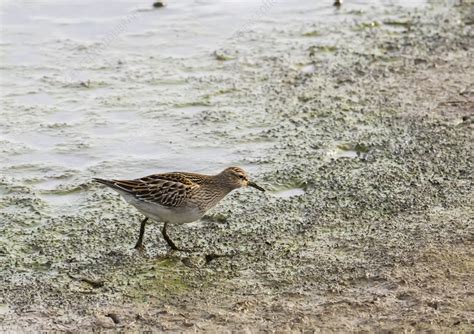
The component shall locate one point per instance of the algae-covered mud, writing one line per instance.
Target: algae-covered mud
(357, 120)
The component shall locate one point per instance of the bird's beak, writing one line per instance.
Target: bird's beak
(254, 185)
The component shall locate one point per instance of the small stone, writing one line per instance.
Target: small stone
(159, 4)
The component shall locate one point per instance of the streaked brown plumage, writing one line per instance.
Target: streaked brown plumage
(178, 197)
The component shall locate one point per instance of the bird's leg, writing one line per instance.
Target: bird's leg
(169, 241)
(139, 244)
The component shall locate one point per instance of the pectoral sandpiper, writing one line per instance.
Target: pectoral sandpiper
(178, 197)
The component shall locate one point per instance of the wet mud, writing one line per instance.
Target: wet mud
(363, 137)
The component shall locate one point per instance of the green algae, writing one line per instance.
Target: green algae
(355, 147)
(312, 33)
(321, 49)
(204, 102)
(222, 56)
(156, 279)
(367, 25)
(399, 23)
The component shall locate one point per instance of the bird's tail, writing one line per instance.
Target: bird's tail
(108, 183)
(118, 185)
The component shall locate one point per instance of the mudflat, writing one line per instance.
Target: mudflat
(364, 139)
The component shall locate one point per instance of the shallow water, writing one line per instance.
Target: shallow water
(290, 193)
(116, 89)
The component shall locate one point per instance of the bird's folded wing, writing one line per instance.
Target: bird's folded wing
(164, 189)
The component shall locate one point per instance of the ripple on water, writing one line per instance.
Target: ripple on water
(38, 98)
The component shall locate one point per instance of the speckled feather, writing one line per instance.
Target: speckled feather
(170, 189)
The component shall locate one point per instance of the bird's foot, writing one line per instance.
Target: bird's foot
(170, 242)
(140, 248)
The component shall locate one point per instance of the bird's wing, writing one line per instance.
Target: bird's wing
(170, 189)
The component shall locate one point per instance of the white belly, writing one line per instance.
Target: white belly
(160, 213)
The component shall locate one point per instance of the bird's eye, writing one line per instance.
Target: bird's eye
(242, 177)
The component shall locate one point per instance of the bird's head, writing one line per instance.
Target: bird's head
(236, 177)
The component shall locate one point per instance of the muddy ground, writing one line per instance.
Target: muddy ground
(374, 125)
